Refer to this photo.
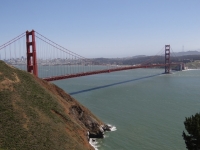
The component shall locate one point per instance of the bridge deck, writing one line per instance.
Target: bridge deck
(105, 71)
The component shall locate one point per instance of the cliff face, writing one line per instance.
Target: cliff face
(35, 114)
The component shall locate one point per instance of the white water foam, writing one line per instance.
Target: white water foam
(112, 128)
(93, 142)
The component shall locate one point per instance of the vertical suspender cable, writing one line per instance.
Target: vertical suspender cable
(61, 55)
(57, 55)
(10, 52)
(5, 53)
(48, 58)
(15, 49)
(20, 57)
(73, 65)
(44, 58)
(44, 62)
(70, 72)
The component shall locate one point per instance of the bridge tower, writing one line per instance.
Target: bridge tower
(167, 58)
(31, 53)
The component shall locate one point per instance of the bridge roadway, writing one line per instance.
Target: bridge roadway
(105, 71)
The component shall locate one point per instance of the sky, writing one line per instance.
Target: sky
(106, 28)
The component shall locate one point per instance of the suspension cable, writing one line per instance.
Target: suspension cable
(154, 57)
(13, 40)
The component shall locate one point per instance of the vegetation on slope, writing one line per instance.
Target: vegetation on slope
(192, 125)
(35, 114)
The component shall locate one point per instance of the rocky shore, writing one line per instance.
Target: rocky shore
(100, 132)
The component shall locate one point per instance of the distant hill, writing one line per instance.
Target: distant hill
(186, 53)
(38, 115)
(142, 59)
(138, 56)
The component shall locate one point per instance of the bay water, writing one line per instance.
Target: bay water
(147, 108)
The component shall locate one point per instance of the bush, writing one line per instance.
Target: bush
(192, 139)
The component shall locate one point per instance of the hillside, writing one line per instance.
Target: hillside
(35, 114)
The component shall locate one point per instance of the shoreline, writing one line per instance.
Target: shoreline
(104, 128)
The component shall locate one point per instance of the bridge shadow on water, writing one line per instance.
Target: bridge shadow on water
(113, 84)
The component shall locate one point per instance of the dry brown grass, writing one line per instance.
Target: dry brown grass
(7, 84)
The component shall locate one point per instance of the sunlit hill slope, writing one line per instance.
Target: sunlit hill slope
(35, 114)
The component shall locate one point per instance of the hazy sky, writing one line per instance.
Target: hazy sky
(106, 28)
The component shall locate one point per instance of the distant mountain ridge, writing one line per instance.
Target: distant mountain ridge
(141, 59)
(186, 53)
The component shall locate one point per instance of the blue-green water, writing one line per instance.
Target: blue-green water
(148, 111)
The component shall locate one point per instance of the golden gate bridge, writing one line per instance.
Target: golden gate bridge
(40, 60)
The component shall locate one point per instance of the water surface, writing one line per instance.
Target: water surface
(147, 107)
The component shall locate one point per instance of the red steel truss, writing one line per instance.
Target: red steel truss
(167, 58)
(31, 53)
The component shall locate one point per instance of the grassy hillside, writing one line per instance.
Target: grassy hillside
(35, 114)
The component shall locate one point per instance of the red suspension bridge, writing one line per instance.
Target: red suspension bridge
(51, 61)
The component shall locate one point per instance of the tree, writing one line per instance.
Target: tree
(192, 125)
